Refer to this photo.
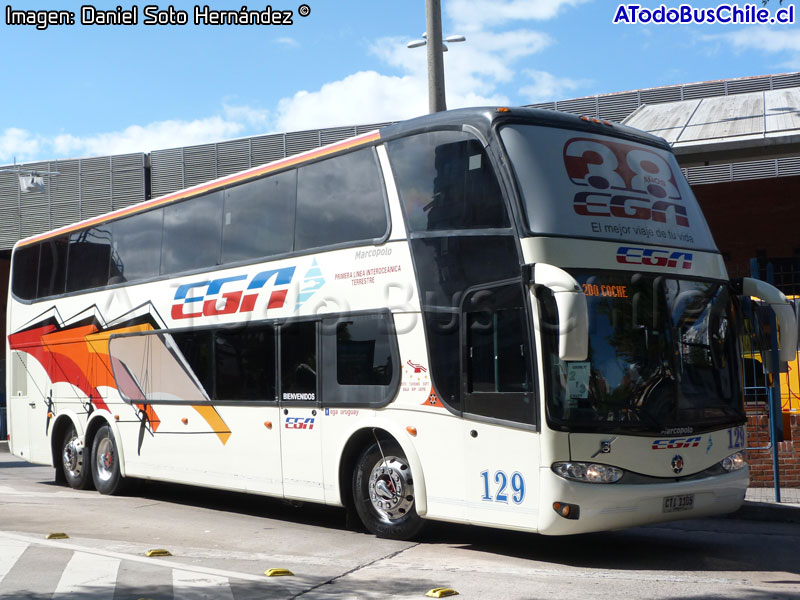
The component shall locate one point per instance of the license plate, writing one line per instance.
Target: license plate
(676, 503)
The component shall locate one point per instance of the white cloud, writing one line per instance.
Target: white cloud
(546, 86)
(287, 41)
(153, 136)
(364, 97)
(18, 143)
(472, 15)
(136, 138)
(785, 43)
(257, 118)
(474, 69)
(760, 38)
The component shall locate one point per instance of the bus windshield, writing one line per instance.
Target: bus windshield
(662, 357)
(586, 185)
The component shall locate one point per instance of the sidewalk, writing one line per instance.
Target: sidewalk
(760, 505)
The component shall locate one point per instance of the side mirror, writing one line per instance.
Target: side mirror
(784, 312)
(573, 313)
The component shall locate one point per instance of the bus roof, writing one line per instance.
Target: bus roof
(481, 119)
(484, 118)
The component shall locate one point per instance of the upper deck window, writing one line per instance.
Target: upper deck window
(340, 200)
(89, 258)
(447, 183)
(192, 234)
(258, 218)
(333, 202)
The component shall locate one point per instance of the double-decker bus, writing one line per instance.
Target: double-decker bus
(506, 317)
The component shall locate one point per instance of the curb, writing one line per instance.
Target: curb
(767, 511)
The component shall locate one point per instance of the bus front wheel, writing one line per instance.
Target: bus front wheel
(74, 460)
(383, 491)
(105, 462)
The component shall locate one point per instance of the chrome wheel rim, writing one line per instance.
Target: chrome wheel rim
(391, 488)
(73, 457)
(106, 459)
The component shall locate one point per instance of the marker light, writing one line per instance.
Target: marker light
(587, 472)
(734, 462)
(568, 511)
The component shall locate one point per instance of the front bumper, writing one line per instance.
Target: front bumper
(605, 507)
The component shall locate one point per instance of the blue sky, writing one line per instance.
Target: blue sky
(79, 90)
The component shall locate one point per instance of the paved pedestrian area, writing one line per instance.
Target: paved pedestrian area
(789, 496)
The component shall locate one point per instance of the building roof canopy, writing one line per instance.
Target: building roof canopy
(724, 129)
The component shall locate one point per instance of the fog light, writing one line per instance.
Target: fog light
(734, 462)
(568, 511)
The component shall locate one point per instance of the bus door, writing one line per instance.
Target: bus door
(18, 410)
(26, 413)
(501, 446)
(301, 439)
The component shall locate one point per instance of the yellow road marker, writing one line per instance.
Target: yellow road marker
(441, 592)
(278, 572)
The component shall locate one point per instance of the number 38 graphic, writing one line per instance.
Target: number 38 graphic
(607, 165)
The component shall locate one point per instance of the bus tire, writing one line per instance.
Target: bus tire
(105, 463)
(383, 492)
(75, 460)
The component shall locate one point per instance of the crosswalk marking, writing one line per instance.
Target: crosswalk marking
(87, 574)
(170, 563)
(10, 551)
(79, 572)
(187, 585)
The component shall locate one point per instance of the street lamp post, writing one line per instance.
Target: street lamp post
(433, 23)
(432, 39)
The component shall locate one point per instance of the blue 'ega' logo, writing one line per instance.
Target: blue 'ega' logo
(240, 293)
(654, 257)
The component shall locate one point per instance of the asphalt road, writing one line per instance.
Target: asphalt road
(222, 543)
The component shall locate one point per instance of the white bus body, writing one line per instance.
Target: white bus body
(510, 318)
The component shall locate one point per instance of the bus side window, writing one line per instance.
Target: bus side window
(446, 182)
(496, 367)
(299, 361)
(340, 200)
(89, 258)
(197, 350)
(136, 242)
(245, 363)
(258, 218)
(53, 267)
(192, 234)
(361, 360)
(26, 272)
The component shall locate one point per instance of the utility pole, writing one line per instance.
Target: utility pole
(433, 22)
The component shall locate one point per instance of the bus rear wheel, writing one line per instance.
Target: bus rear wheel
(74, 460)
(383, 491)
(105, 463)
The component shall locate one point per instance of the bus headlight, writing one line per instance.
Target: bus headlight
(734, 462)
(587, 472)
